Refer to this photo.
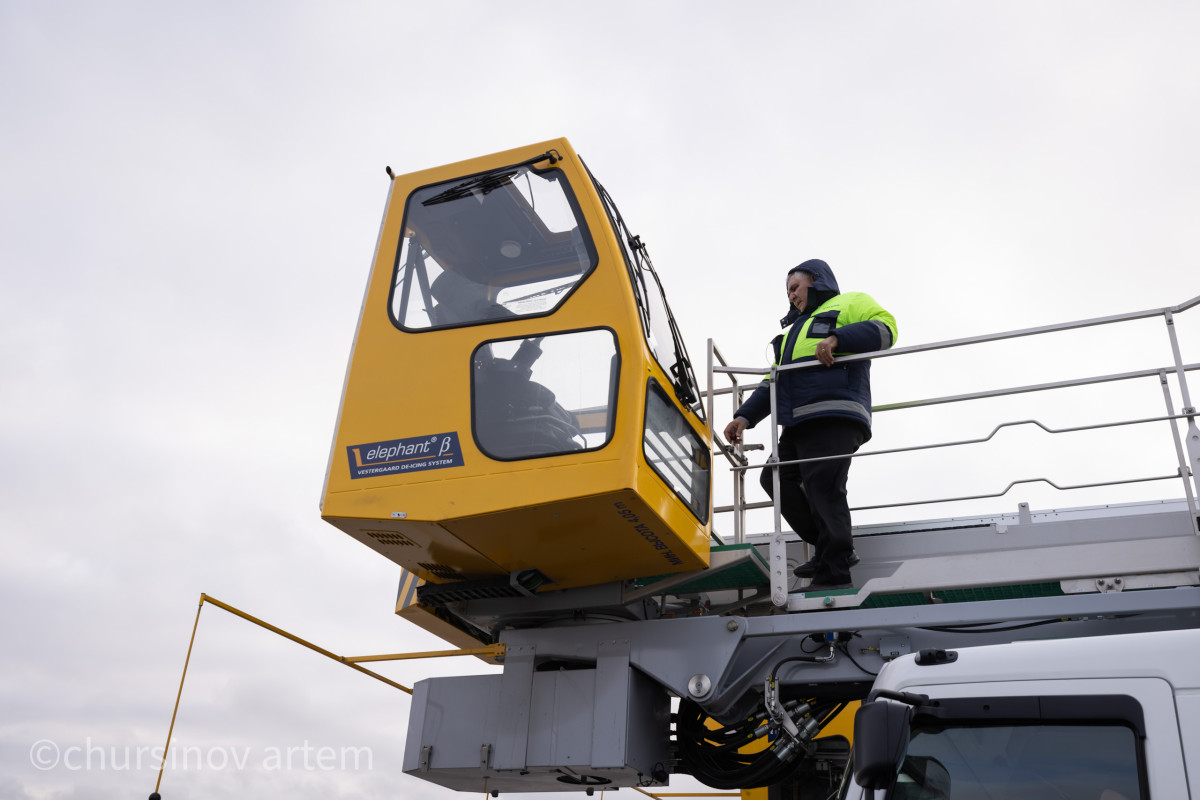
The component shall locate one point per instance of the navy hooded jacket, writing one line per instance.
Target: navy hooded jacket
(842, 390)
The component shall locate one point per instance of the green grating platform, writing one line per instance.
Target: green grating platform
(895, 600)
(731, 566)
(1015, 592)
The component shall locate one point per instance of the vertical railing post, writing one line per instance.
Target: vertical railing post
(712, 433)
(739, 486)
(1192, 436)
(1179, 453)
(739, 480)
(778, 550)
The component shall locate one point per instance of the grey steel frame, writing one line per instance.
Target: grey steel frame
(813, 646)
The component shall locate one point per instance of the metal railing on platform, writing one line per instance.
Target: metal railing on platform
(1187, 444)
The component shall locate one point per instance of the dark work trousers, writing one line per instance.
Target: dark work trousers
(813, 496)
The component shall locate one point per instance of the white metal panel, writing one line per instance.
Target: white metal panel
(1173, 656)
(1158, 669)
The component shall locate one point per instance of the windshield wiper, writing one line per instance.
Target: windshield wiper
(481, 183)
(489, 181)
(684, 379)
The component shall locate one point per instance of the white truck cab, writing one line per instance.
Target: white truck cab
(1102, 718)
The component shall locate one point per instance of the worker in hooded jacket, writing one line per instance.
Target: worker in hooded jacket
(824, 410)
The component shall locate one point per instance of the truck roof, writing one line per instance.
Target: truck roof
(1169, 655)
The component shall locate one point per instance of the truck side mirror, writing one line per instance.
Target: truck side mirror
(881, 730)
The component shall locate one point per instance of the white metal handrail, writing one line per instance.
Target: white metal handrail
(1187, 450)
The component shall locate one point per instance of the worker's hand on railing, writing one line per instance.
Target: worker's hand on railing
(734, 430)
(825, 350)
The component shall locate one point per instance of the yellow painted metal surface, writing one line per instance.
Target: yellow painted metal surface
(408, 475)
(843, 723)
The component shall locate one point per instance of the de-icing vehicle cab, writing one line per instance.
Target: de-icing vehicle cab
(519, 410)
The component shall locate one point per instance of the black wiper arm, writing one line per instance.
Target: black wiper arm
(489, 181)
(684, 378)
(481, 183)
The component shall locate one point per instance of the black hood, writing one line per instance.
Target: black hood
(824, 287)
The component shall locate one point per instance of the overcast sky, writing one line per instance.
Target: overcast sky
(189, 204)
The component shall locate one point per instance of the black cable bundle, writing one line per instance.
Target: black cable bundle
(711, 754)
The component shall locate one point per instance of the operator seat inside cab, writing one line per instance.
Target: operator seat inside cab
(460, 300)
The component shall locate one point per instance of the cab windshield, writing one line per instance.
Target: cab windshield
(499, 245)
(1026, 761)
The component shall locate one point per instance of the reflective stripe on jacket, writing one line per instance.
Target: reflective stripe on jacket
(843, 390)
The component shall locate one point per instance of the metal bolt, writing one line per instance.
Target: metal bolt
(732, 625)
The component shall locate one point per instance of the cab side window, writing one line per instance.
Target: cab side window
(675, 452)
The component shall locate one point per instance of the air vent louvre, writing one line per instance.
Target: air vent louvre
(391, 538)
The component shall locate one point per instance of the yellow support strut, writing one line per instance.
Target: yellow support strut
(496, 650)
(687, 794)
